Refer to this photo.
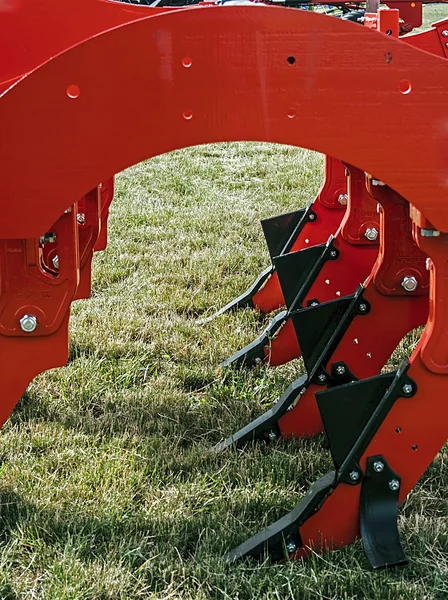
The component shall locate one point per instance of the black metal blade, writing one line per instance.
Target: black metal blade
(379, 513)
(266, 426)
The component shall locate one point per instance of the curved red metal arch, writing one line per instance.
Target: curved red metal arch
(222, 74)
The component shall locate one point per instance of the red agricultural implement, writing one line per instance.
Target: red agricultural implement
(359, 268)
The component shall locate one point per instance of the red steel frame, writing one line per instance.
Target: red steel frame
(209, 75)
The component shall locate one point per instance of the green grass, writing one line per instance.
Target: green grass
(109, 485)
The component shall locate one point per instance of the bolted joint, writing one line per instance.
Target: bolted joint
(408, 388)
(378, 466)
(394, 485)
(371, 234)
(343, 199)
(272, 436)
(81, 218)
(291, 547)
(340, 370)
(409, 284)
(28, 323)
(354, 475)
(55, 262)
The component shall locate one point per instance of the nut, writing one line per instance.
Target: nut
(28, 323)
(343, 199)
(371, 234)
(409, 284)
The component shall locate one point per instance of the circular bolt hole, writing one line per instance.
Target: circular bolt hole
(398, 430)
(73, 91)
(291, 60)
(188, 114)
(404, 86)
(414, 447)
(187, 62)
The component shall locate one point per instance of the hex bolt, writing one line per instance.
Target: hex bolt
(354, 475)
(371, 234)
(343, 199)
(430, 232)
(81, 218)
(362, 307)
(55, 262)
(315, 303)
(340, 370)
(322, 378)
(378, 208)
(333, 253)
(28, 323)
(378, 466)
(428, 264)
(408, 388)
(409, 284)
(377, 182)
(311, 216)
(291, 547)
(445, 33)
(272, 436)
(394, 485)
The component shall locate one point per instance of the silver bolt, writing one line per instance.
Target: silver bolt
(428, 264)
(362, 307)
(322, 378)
(333, 253)
(408, 388)
(354, 475)
(28, 323)
(394, 485)
(311, 217)
(378, 208)
(343, 199)
(378, 466)
(340, 370)
(81, 218)
(445, 33)
(409, 284)
(377, 182)
(55, 262)
(291, 547)
(272, 436)
(430, 232)
(314, 303)
(371, 234)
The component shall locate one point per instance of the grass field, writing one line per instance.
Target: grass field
(109, 485)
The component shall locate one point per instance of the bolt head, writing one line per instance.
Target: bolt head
(311, 217)
(354, 475)
(445, 33)
(428, 264)
(408, 388)
(394, 485)
(377, 182)
(314, 303)
(291, 547)
(272, 436)
(333, 253)
(371, 234)
(55, 262)
(409, 284)
(28, 323)
(340, 370)
(322, 378)
(378, 466)
(362, 307)
(81, 218)
(343, 199)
